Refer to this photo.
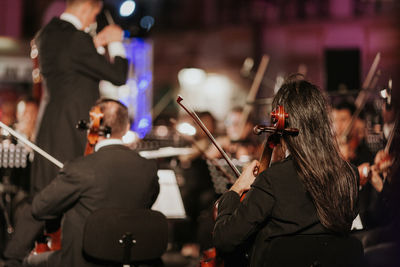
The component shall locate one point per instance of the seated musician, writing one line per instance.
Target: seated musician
(380, 239)
(353, 146)
(113, 176)
(239, 143)
(312, 191)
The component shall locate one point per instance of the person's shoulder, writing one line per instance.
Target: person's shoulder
(282, 166)
(279, 172)
(57, 24)
(122, 150)
(78, 167)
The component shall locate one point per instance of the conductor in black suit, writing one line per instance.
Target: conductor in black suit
(112, 177)
(313, 191)
(72, 69)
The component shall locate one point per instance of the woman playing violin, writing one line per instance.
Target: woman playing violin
(312, 191)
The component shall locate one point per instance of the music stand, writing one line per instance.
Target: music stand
(11, 156)
(220, 181)
(169, 200)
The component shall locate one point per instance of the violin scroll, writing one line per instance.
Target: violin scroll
(94, 128)
(278, 119)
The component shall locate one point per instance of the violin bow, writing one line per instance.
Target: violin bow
(369, 82)
(207, 132)
(253, 92)
(31, 145)
(203, 153)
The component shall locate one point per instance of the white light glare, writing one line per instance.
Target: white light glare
(384, 93)
(127, 8)
(130, 137)
(191, 76)
(186, 128)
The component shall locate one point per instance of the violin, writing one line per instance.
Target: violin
(279, 120)
(383, 159)
(94, 129)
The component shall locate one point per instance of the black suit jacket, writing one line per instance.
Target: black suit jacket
(72, 69)
(276, 205)
(113, 177)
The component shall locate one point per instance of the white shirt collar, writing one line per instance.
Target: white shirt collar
(72, 19)
(107, 142)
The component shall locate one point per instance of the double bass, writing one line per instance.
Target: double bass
(276, 131)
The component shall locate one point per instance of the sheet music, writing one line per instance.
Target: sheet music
(169, 201)
(357, 224)
(165, 152)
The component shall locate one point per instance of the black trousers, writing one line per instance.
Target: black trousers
(27, 229)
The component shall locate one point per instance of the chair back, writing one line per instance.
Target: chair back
(125, 236)
(315, 251)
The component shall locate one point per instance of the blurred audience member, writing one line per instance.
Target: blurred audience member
(7, 109)
(197, 191)
(27, 110)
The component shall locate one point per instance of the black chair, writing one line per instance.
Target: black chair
(116, 237)
(315, 251)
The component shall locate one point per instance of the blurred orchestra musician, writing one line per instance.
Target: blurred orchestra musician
(379, 236)
(292, 196)
(354, 149)
(108, 178)
(381, 239)
(26, 114)
(15, 174)
(352, 146)
(27, 111)
(7, 112)
(197, 192)
(239, 143)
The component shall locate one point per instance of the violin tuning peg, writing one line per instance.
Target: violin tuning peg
(82, 125)
(256, 130)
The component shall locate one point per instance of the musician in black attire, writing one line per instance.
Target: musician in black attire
(312, 191)
(112, 177)
(72, 69)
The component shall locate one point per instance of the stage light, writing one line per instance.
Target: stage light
(127, 8)
(147, 22)
(161, 131)
(191, 76)
(186, 128)
(384, 93)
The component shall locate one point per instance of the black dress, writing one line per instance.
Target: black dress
(276, 205)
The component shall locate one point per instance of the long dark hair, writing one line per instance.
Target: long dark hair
(330, 180)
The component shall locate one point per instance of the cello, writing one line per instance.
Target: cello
(276, 131)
